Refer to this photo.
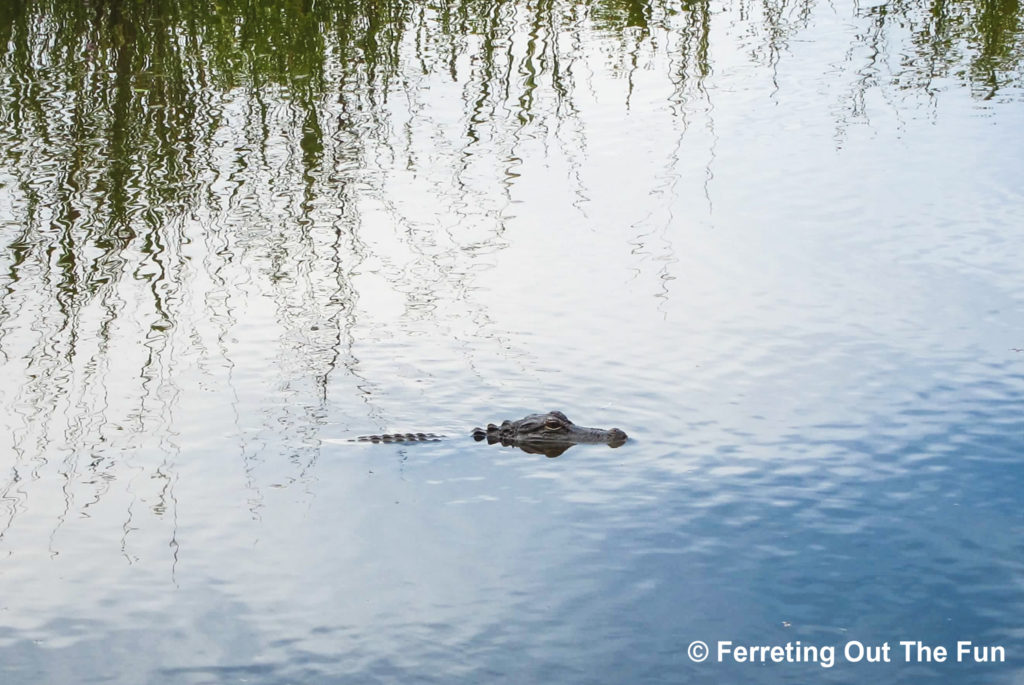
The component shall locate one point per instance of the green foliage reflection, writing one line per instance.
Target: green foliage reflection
(149, 145)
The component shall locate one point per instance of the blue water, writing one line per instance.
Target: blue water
(801, 300)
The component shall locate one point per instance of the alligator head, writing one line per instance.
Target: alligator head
(550, 434)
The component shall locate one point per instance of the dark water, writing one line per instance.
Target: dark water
(778, 244)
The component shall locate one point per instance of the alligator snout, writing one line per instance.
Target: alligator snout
(616, 437)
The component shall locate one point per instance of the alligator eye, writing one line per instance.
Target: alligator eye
(552, 423)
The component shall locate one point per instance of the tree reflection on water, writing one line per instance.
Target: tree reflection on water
(163, 162)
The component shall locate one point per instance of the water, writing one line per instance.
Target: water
(777, 245)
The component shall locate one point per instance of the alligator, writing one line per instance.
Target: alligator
(549, 434)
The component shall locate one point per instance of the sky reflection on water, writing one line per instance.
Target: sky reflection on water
(775, 245)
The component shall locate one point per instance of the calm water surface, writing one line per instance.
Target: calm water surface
(780, 245)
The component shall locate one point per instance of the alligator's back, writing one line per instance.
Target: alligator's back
(400, 437)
